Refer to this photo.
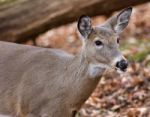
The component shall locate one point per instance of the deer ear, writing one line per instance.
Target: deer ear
(119, 22)
(84, 26)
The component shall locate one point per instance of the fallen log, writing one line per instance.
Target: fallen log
(25, 19)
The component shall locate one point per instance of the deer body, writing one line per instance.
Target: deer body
(25, 85)
(40, 82)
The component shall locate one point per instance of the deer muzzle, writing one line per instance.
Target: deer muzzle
(122, 65)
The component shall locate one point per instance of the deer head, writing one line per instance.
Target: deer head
(101, 43)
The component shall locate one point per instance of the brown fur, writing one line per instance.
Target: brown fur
(35, 85)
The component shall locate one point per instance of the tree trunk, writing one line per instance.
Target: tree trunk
(24, 19)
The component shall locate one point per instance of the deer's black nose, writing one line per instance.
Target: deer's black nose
(122, 65)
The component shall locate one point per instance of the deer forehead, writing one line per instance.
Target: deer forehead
(103, 33)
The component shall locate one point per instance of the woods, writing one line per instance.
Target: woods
(53, 24)
(24, 19)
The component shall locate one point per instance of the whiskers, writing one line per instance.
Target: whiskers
(111, 69)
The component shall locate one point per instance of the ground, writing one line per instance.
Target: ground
(126, 95)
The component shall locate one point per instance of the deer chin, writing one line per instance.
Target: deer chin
(120, 71)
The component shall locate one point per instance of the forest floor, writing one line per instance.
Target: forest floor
(126, 95)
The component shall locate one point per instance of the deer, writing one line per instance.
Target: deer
(45, 82)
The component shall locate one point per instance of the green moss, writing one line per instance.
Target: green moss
(143, 47)
(3, 2)
(148, 64)
(140, 56)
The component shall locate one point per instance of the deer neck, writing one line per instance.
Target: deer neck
(85, 79)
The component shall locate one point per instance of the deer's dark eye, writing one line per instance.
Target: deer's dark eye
(118, 40)
(98, 43)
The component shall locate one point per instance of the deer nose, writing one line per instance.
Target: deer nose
(122, 65)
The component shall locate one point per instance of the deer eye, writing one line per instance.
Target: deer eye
(98, 43)
(118, 40)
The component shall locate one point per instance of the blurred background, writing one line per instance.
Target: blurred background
(52, 24)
